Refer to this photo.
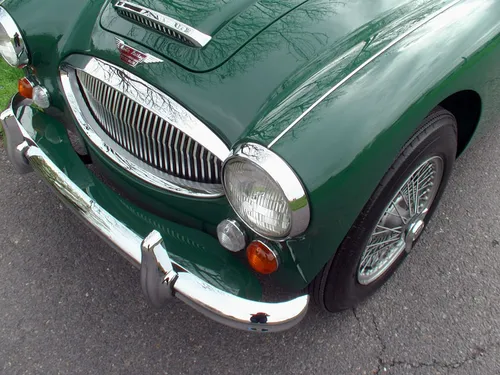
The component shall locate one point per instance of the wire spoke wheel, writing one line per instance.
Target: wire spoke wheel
(402, 221)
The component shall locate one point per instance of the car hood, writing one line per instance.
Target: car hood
(230, 24)
(263, 83)
(255, 83)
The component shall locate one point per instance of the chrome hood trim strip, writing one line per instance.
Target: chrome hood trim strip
(196, 37)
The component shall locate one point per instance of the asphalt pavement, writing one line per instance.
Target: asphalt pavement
(69, 304)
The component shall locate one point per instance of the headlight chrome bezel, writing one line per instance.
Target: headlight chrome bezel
(19, 48)
(286, 179)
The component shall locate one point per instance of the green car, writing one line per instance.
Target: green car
(230, 147)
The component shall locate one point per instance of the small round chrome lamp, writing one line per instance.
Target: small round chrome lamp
(231, 235)
(41, 97)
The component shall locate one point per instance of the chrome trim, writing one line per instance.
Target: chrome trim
(237, 226)
(157, 271)
(16, 37)
(155, 101)
(159, 280)
(196, 37)
(286, 179)
(357, 70)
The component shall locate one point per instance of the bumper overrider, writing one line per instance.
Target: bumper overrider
(161, 277)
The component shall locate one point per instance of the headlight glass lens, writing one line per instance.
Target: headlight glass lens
(7, 48)
(12, 47)
(257, 199)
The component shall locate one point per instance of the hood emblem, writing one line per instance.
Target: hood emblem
(133, 57)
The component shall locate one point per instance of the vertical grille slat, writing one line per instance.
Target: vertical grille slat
(128, 132)
(171, 161)
(182, 147)
(159, 137)
(147, 136)
(188, 156)
(156, 145)
(140, 122)
(106, 118)
(116, 113)
(216, 169)
(195, 161)
(148, 149)
(176, 153)
(121, 115)
(133, 122)
(209, 165)
(114, 119)
(203, 166)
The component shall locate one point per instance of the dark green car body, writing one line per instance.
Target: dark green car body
(359, 76)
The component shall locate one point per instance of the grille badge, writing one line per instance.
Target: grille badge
(133, 57)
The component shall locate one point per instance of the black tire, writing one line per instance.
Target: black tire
(336, 287)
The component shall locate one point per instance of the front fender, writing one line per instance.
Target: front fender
(345, 145)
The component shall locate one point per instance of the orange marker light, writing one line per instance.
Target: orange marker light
(261, 258)
(25, 88)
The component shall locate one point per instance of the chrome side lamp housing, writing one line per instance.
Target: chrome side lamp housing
(265, 192)
(12, 47)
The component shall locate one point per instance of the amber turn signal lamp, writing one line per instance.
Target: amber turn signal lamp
(261, 258)
(25, 88)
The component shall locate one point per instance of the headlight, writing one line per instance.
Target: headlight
(12, 47)
(265, 192)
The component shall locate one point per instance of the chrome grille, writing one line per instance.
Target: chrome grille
(146, 21)
(146, 135)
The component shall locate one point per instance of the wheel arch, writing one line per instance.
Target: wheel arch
(466, 106)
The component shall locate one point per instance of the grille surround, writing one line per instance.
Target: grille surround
(107, 130)
(181, 156)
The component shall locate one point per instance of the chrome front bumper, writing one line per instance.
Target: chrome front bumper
(161, 278)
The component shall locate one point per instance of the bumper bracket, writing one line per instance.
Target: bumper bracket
(157, 272)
